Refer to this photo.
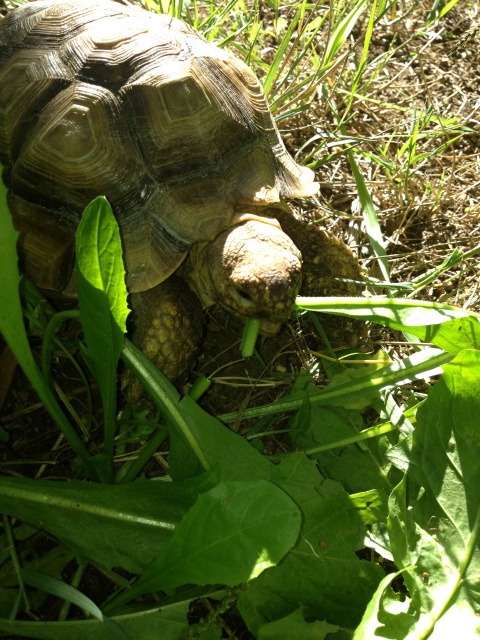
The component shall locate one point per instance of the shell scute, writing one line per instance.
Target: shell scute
(27, 83)
(81, 149)
(101, 99)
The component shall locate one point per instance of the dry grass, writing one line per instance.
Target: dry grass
(412, 118)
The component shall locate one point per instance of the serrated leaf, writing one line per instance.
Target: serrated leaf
(231, 453)
(434, 521)
(231, 534)
(322, 571)
(167, 622)
(122, 525)
(356, 468)
(197, 439)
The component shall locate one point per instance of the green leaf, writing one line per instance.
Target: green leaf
(371, 505)
(13, 330)
(453, 336)
(322, 572)
(420, 364)
(166, 398)
(370, 219)
(394, 312)
(234, 456)
(102, 299)
(197, 440)
(450, 328)
(122, 525)
(357, 468)
(167, 622)
(434, 521)
(232, 534)
(295, 626)
(69, 593)
(384, 603)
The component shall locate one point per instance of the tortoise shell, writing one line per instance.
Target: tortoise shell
(97, 98)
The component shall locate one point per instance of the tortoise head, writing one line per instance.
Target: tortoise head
(253, 269)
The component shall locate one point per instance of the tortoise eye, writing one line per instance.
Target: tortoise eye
(243, 294)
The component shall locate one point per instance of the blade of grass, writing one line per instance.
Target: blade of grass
(363, 59)
(416, 366)
(370, 219)
(280, 55)
(163, 394)
(66, 592)
(372, 432)
(341, 32)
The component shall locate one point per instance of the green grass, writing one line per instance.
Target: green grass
(379, 451)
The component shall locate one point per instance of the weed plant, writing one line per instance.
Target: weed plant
(368, 524)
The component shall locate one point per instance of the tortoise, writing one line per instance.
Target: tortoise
(97, 98)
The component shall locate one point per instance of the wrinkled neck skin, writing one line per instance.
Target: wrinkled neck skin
(253, 269)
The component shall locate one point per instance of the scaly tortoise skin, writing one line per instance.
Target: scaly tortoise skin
(97, 98)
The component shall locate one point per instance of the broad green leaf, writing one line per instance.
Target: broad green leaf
(438, 602)
(233, 533)
(168, 623)
(197, 440)
(166, 398)
(358, 468)
(383, 604)
(434, 521)
(322, 572)
(453, 336)
(102, 297)
(121, 526)
(371, 505)
(295, 626)
(233, 455)
(13, 330)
